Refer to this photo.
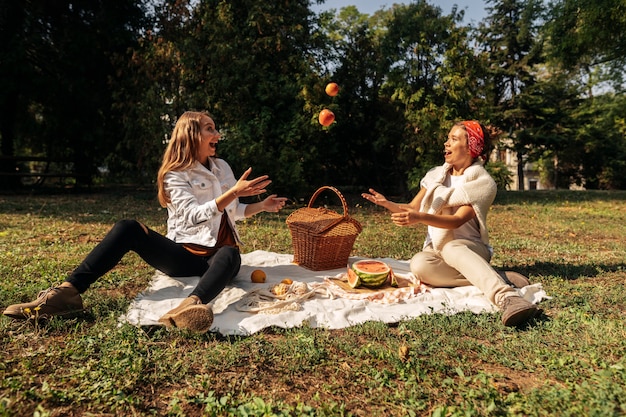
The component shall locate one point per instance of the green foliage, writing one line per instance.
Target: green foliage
(245, 62)
(512, 50)
(102, 85)
(66, 51)
(587, 32)
(501, 174)
(604, 143)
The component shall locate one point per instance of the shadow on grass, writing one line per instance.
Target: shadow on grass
(572, 272)
(540, 318)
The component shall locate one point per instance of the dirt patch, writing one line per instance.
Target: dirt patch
(507, 380)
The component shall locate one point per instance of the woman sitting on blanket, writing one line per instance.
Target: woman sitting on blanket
(453, 202)
(202, 199)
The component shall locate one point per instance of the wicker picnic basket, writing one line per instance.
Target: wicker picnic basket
(322, 239)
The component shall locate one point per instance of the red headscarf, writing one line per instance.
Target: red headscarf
(475, 137)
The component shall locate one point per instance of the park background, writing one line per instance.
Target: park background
(91, 90)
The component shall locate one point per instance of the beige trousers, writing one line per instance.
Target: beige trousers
(460, 263)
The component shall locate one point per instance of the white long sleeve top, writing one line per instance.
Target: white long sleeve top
(193, 216)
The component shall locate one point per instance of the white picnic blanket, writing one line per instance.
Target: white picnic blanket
(327, 304)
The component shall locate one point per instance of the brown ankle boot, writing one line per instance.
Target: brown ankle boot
(516, 311)
(63, 301)
(190, 314)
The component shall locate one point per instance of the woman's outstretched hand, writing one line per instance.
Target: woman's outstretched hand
(375, 197)
(380, 200)
(273, 203)
(406, 217)
(247, 188)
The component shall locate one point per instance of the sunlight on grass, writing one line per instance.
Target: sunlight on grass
(569, 362)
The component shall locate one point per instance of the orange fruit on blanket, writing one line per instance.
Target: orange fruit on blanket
(326, 117)
(280, 289)
(287, 281)
(258, 276)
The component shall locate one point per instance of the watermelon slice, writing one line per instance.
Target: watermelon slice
(371, 273)
(392, 278)
(353, 279)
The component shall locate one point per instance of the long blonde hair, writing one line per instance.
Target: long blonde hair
(181, 150)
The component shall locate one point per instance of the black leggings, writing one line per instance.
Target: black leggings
(161, 253)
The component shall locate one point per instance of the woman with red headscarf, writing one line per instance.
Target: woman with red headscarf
(453, 202)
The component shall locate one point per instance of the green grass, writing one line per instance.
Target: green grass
(570, 362)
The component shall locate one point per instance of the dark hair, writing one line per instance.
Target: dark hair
(488, 147)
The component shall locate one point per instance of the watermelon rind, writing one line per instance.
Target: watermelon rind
(353, 279)
(371, 279)
(392, 279)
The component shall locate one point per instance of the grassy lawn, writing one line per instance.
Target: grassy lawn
(569, 362)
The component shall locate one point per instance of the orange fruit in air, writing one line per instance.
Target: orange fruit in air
(258, 276)
(332, 89)
(326, 117)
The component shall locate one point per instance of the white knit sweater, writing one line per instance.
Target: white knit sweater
(479, 191)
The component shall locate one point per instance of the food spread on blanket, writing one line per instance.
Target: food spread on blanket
(277, 298)
(369, 273)
(258, 276)
(399, 285)
(326, 301)
(280, 289)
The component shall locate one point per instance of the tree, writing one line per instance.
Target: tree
(512, 50)
(149, 94)
(66, 50)
(355, 153)
(14, 75)
(247, 63)
(588, 31)
(432, 82)
(548, 107)
(599, 143)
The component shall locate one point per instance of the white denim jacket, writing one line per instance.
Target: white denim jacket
(193, 216)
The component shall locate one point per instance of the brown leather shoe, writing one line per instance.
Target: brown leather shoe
(63, 301)
(191, 314)
(516, 310)
(515, 279)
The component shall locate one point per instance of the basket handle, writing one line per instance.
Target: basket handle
(336, 191)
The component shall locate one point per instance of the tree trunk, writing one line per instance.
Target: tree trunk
(8, 114)
(520, 171)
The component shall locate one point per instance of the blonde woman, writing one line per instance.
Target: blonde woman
(201, 195)
(453, 202)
